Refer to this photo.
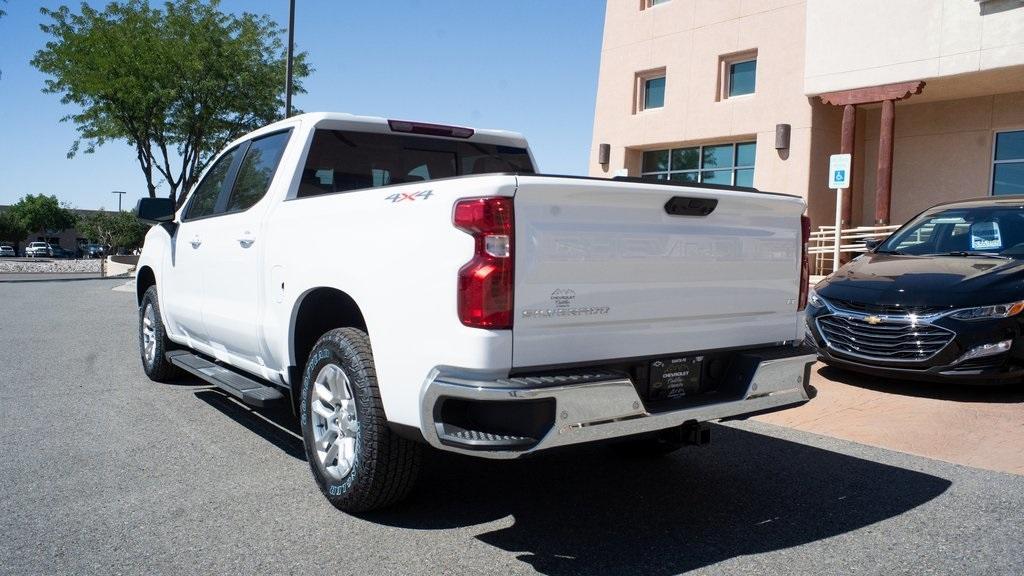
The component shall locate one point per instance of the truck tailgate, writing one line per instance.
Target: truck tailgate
(603, 271)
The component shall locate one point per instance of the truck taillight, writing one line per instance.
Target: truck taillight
(805, 265)
(486, 282)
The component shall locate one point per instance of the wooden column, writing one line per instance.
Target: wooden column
(887, 94)
(883, 181)
(846, 147)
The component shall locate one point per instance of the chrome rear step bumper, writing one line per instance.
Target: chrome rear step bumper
(595, 407)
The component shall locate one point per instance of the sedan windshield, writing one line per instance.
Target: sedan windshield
(989, 231)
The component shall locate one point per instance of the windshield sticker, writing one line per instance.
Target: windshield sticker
(985, 236)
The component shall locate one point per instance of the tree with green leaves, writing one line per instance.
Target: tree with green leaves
(177, 83)
(39, 213)
(113, 229)
(11, 228)
(98, 227)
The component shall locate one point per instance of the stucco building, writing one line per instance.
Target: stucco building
(928, 95)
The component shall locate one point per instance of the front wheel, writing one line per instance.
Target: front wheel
(153, 341)
(357, 461)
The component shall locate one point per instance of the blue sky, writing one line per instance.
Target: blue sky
(524, 65)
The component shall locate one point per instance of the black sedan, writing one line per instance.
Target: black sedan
(93, 251)
(940, 299)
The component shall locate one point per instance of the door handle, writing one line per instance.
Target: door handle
(196, 241)
(246, 239)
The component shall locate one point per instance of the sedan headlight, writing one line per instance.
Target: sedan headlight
(986, 312)
(814, 300)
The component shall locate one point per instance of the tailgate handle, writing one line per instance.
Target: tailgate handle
(683, 206)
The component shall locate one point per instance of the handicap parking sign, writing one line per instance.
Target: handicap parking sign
(839, 171)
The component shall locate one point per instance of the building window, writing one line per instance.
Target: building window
(649, 90)
(731, 164)
(737, 74)
(652, 3)
(1008, 163)
(654, 93)
(742, 77)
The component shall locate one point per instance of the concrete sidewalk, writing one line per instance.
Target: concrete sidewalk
(42, 277)
(979, 426)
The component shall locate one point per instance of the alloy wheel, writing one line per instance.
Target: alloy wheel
(335, 421)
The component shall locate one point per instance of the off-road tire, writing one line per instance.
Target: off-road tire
(385, 465)
(158, 368)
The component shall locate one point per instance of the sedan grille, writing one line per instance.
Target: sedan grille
(893, 340)
(887, 308)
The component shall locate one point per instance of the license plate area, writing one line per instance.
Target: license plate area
(674, 377)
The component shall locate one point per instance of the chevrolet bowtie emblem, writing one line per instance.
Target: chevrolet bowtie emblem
(873, 320)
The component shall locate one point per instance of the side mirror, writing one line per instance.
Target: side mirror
(155, 210)
(871, 243)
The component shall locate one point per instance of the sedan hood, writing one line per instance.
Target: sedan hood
(953, 281)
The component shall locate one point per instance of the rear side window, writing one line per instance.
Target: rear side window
(204, 199)
(256, 171)
(339, 160)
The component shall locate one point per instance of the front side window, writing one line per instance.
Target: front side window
(1008, 164)
(204, 199)
(730, 164)
(995, 230)
(256, 171)
(340, 160)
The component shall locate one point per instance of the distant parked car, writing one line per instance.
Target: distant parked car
(940, 299)
(38, 249)
(93, 251)
(57, 252)
(7, 251)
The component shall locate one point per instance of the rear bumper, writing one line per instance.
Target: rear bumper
(593, 407)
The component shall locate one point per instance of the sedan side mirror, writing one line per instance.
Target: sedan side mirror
(871, 243)
(155, 210)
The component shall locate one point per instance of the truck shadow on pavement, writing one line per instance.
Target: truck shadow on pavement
(275, 426)
(592, 512)
(1012, 393)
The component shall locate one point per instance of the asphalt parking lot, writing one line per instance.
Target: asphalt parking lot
(106, 472)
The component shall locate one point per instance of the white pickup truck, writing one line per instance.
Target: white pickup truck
(403, 284)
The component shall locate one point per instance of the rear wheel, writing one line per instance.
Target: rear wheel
(153, 341)
(357, 461)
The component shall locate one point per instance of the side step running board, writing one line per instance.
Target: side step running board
(252, 392)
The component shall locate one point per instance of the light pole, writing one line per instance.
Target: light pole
(120, 195)
(288, 65)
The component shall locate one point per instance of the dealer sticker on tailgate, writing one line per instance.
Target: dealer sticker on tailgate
(675, 377)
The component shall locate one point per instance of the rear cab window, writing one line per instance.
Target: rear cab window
(342, 160)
